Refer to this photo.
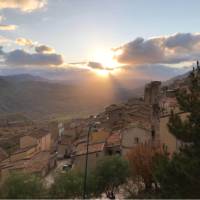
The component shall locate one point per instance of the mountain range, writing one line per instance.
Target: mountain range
(40, 98)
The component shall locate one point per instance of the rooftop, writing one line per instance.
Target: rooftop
(3, 154)
(21, 150)
(39, 132)
(93, 148)
(114, 140)
(35, 164)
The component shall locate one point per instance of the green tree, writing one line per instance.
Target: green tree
(179, 177)
(111, 172)
(70, 185)
(22, 186)
(67, 185)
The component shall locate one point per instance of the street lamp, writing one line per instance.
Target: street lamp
(93, 125)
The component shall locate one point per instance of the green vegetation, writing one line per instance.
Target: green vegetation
(67, 185)
(111, 172)
(106, 178)
(179, 177)
(152, 173)
(22, 186)
(155, 174)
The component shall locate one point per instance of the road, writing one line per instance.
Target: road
(49, 179)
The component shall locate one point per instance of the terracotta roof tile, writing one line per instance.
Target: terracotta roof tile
(114, 140)
(81, 150)
(3, 154)
(39, 133)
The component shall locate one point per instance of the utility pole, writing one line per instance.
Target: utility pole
(86, 164)
(92, 125)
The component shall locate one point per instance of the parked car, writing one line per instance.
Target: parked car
(67, 167)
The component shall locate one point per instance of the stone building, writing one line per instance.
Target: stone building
(33, 156)
(152, 92)
(152, 95)
(134, 134)
(39, 137)
(65, 146)
(167, 139)
(95, 152)
(113, 144)
(100, 135)
(116, 114)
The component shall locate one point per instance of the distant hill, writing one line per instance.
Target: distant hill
(39, 98)
(172, 80)
(22, 77)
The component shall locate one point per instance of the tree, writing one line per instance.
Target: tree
(22, 186)
(141, 161)
(67, 185)
(111, 172)
(179, 177)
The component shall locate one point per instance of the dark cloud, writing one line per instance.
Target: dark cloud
(182, 40)
(95, 65)
(44, 49)
(161, 50)
(23, 58)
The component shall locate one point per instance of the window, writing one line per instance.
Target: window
(136, 140)
(153, 134)
(110, 152)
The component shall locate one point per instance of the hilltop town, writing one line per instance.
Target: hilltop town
(40, 148)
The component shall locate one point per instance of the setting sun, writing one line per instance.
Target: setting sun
(105, 57)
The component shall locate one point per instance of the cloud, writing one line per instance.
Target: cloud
(23, 5)
(2, 18)
(4, 40)
(24, 42)
(95, 65)
(5, 27)
(44, 49)
(171, 49)
(20, 57)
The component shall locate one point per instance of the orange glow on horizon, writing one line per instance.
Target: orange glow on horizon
(102, 72)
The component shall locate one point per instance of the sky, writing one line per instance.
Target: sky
(138, 36)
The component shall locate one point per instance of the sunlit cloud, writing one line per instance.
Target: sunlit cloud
(5, 40)
(24, 42)
(171, 49)
(39, 48)
(2, 18)
(23, 5)
(5, 27)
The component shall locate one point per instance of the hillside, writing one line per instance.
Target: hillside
(39, 98)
